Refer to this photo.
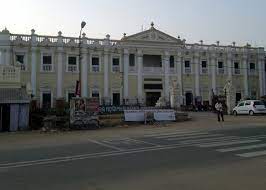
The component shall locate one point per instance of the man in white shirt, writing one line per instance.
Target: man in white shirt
(219, 109)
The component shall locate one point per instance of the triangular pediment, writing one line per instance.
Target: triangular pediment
(152, 35)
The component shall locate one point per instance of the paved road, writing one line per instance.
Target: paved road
(182, 159)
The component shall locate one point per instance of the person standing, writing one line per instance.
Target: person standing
(219, 109)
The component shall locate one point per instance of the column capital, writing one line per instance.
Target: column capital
(126, 52)
(166, 53)
(139, 52)
(84, 50)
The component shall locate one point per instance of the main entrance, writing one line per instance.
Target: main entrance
(152, 98)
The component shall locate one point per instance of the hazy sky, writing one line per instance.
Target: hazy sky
(208, 20)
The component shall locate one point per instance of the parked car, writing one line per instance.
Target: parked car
(250, 107)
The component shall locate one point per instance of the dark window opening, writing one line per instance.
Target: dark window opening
(220, 65)
(187, 64)
(70, 96)
(116, 99)
(153, 86)
(115, 61)
(236, 65)
(204, 64)
(95, 61)
(47, 59)
(252, 66)
(72, 60)
(152, 61)
(132, 60)
(20, 59)
(172, 61)
(46, 100)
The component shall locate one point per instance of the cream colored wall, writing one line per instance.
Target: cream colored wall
(132, 86)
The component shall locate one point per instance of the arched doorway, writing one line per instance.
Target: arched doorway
(189, 98)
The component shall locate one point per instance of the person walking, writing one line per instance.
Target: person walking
(219, 109)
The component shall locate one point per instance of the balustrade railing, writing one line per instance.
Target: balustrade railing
(237, 71)
(66, 40)
(152, 69)
(204, 70)
(9, 74)
(221, 71)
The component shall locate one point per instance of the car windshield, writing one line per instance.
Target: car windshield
(258, 103)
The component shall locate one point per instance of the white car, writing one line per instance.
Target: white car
(250, 107)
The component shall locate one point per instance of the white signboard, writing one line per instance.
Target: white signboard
(159, 115)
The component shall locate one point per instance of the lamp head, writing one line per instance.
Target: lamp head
(83, 24)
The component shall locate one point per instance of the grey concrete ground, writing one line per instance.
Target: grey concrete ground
(199, 154)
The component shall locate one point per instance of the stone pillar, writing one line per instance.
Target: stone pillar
(84, 67)
(245, 74)
(197, 73)
(229, 63)
(125, 76)
(5, 50)
(263, 78)
(7, 56)
(33, 62)
(179, 77)
(166, 59)
(213, 70)
(261, 71)
(106, 73)
(140, 78)
(60, 69)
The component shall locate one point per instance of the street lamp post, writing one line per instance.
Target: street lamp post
(83, 24)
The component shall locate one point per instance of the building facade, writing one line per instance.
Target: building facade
(136, 69)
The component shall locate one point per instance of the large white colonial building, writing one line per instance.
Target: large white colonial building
(138, 68)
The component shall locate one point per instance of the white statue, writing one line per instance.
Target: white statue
(230, 96)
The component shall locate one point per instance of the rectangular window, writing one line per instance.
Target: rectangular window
(115, 66)
(72, 64)
(132, 60)
(95, 63)
(236, 67)
(187, 67)
(172, 61)
(220, 67)
(47, 63)
(252, 68)
(20, 61)
(204, 68)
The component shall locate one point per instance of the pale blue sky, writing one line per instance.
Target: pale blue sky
(210, 20)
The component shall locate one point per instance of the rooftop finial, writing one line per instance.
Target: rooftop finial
(152, 24)
(125, 34)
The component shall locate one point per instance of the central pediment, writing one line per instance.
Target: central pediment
(152, 35)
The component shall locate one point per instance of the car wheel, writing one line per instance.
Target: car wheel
(251, 112)
(234, 113)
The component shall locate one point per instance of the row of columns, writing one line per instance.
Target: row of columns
(5, 57)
